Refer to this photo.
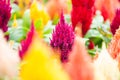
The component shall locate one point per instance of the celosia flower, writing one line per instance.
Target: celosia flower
(39, 17)
(114, 47)
(40, 64)
(5, 13)
(79, 65)
(9, 59)
(91, 45)
(107, 8)
(54, 7)
(26, 43)
(106, 68)
(116, 22)
(62, 38)
(23, 4)
(82, 12)
(37, 13)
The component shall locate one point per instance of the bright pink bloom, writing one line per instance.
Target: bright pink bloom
(26, 43)
(63, 38)
(5, 13)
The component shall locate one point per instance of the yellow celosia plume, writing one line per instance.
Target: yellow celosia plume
(39, 17)
(39, 64)
(23, 4)
(37, 13)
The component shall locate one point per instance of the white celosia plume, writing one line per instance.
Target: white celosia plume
(9, 59)
(106, 68)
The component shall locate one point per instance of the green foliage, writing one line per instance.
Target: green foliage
(99, 33)
(17, 34)
(26, 19)
(47, 32)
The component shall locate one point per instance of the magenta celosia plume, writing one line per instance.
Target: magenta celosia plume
(63, 38)
(116, 22)
(26, 43)
(5, 13)
(82, 12)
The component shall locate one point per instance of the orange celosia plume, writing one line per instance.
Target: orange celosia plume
(114, 47)
(79, 66)
(107, 7)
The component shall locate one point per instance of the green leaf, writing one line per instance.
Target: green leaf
(26, 19)
(92, 52)
(17, 34)
(39, 25)
(47, 32)
(93, 33)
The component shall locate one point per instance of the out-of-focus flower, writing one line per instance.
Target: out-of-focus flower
(23, 4)
(79, 66)
(40, 64)
(26, 43)
(5, 13)
(107, 8)
(9, 59)
(82, 12)
(114, 47)
(15, 24)
(39, 16)
(54, 7)
(91, 45)
(116, 22)
(63, 38)
(106, 68)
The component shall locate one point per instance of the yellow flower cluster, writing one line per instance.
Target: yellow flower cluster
(39, 64)
(39, 17)
(37, 13)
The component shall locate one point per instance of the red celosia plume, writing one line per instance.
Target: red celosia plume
(116, 22)
(82, 12)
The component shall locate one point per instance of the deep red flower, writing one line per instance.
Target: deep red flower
(82, 12)
(26, 43)
(116, 22)
(91, 45)
(63, 38)
(5, 13)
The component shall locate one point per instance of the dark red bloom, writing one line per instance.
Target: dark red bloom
(63, 38)
(91, 45)
(26, 43)
(116, 22)
(82, 12)
(5, 13)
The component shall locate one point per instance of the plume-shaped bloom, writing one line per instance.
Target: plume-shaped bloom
(106, 68)
(116, 22)
(62, 38)
(107, 8)
(39, 16)
(114, 47)
(79, 66)
(5, 13)
(9, 59)
(40, 64)
(23, 4)
(26, 43)
(82, 12)
(54, 7)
